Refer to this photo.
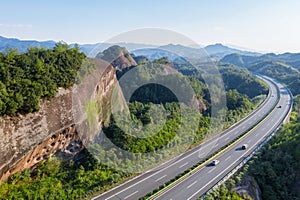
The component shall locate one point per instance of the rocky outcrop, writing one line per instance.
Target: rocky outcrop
(118, 56)
(28, 139)
(248, 189)
(62, 123)
(140, 59)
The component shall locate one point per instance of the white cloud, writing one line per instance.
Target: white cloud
(218, 28)
(16, 25)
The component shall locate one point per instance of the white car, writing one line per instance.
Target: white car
(215, 162)
(244, 146)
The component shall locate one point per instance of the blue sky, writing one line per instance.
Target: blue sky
(264, 25)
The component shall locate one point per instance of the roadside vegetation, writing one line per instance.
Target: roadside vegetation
(282, 72)
(27, 78)
(275, 168)
(84, 175)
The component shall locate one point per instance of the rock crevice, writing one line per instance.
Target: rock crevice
(28, 139)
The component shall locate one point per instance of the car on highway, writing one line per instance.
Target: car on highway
(244, 146)
(215, 162)
(279, 107)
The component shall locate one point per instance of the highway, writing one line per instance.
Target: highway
(198, 183)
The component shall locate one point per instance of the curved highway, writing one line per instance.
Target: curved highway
(201, 181)
(198, 183)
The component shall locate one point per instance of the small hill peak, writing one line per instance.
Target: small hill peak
(118, 56)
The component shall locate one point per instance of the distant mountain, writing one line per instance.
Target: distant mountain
(292, 59)
(93, 49)
(219, 50)
(282, 72)
(118, 56)
(239, 60)
(184, 51)
(173, 52)
(140, 59)
(283, 67)
(89, 49)
(23, 45)
(216, 51)
(271, 67)
(155, 53)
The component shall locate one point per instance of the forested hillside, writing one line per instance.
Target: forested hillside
(242, 80)
(292, 59)
(283, 67)
(275, 168)
(287, 74)
(78, 178)
(27, 78)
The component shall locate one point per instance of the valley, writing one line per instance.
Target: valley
(66, 155)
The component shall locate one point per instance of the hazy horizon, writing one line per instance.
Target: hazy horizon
(262, 26)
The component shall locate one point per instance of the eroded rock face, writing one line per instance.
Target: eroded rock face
(118, 56)
(28, 139)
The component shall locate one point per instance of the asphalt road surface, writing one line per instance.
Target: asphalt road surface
(200, 182)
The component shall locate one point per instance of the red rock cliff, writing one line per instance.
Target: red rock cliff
(28, 139)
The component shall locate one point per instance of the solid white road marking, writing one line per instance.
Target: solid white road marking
(211, 170)
(227, 158)
(184, 165)
(131, 195)
(275, 124)
(191, 184)
(159, 171)
(160, 178)
(217, 175)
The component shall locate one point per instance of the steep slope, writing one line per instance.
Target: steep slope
(118, 56)
(28, 139)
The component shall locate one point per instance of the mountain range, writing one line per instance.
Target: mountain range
(216, 50)
(23, 45)
(292, 59)
(219, 52)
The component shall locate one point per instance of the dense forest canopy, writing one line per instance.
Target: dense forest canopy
(28, 77)
(283, 67)
(275, 168)
(287, 74)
